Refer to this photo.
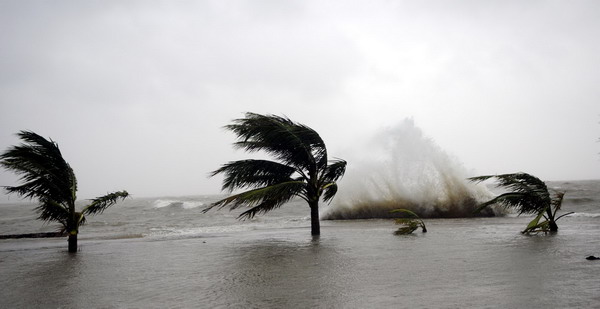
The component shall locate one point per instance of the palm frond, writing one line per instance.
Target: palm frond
(543, 226)
(253, 173)
(80, 219)
(535, 224)
(44, 173)
(557, 201)
(331, 174)
(329, 191)
(261, 199)
(524, 203)
(335, 170)
(292, 143)
(408, 229)
(406, 211)
(99, 204)
(481, 178)
(528, 193)
(50, 210)
(412, 223)
(521, 182)
(264, 207)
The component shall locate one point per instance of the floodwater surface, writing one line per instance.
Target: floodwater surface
(155, 254)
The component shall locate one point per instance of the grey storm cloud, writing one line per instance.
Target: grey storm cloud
(136, 92)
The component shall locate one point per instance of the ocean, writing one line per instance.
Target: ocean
(165, 253)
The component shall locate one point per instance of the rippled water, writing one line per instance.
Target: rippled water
(144, 254)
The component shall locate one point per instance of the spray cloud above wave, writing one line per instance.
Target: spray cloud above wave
(399, 167)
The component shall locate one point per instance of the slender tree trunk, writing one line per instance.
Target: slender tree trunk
(73, 242)
(73, 226)
(553, 226)
(315, 225)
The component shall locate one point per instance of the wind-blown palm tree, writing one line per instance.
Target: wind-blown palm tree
(528, 195)
(48, 178)
(301, 168)
(409, 223)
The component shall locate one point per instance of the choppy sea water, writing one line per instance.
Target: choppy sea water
(165, 253)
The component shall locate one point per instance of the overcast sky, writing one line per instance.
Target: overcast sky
(136, 92)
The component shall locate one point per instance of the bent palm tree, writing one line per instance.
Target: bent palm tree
(528, 195)
(410, 224)
(47, 177)
(302, 171)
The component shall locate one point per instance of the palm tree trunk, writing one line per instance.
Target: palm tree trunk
(315, 225)
(73, 242)
(551, 223)
(553, 226)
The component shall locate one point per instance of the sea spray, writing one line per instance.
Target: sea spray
(401, 168)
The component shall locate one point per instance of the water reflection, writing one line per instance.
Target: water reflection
(288, 273)
(458, 264)
(55, 276)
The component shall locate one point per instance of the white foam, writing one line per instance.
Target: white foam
(167, 232)
(584, 214)
(191, 204)
(161, 203)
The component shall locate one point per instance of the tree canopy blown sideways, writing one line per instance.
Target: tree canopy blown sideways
(528, 195)
(301, 167)
(48, 178)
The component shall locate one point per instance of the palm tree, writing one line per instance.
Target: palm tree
(528, 195)
(48, 178)
(301, 168)
(410, 224)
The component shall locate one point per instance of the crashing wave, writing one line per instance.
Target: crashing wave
(403, 169)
